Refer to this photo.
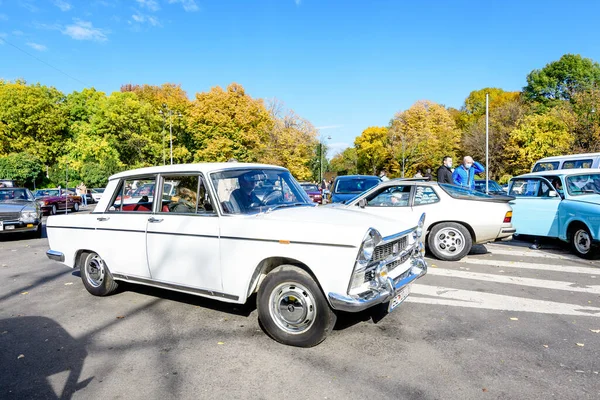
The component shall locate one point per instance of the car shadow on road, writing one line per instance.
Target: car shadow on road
(39, 359)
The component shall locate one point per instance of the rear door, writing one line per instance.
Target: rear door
(535, 210)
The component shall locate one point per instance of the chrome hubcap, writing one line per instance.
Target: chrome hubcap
(449, 241)
(582, 241)
(94, 271)
(292, 307)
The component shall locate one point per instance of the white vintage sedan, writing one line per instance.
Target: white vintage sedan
(456, 219)
(230, 230)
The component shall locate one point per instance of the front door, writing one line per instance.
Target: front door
(535, 208)
(183, 236)
(392, 202)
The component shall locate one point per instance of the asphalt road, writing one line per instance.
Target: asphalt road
(507, 323)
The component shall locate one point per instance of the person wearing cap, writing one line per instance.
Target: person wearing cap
(244, 195)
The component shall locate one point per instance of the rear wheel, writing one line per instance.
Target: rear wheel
(581, 242)
(53, 209)
(449, 241)
(95, 275)
(75, 207)
(292, 309)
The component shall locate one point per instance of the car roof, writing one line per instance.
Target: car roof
(198, 167)
(568, 157)
(561, 172)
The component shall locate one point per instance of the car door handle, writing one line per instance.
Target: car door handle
(103, 218)
(152, 219)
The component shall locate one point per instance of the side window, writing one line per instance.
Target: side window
(425, 195)
(526, 188)
(395, 196)
(577, 164)
(134, 195)
(546, 166)
(185, 194)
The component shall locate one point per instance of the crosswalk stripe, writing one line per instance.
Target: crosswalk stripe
(539, 283)
(528, 253)
(472, 299)
(525, 265)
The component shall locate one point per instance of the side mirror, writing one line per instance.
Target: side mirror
(362, 203)
(552, 193)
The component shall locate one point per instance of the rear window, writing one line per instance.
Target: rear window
(573, 164)
(355, 185)
(310, 188)
(546, 166)
(459, 192)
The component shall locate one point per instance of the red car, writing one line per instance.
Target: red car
(53, 200)
(313, 192)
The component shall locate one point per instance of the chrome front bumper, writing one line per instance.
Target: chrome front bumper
(347, 303)
(55, 255)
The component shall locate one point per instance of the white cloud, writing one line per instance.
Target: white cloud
(37, 46)
(298, 2)
(151, 5)
(28, 4)
(336, 148)
(329, 127)
(62, 4)
(84, 30)
(146, 19)
(188, 5)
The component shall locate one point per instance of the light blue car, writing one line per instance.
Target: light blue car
(562, 204)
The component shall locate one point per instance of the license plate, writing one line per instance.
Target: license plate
(399, 298)
(9, 227)
(1, 226)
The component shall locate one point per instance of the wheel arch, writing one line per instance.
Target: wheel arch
(574, 224)
(269, 264)
(467, 226)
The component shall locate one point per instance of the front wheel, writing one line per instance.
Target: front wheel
(292, 309)
(75, 207)
(449, 241)
(581, 242)
(95, 275)
(53, 209)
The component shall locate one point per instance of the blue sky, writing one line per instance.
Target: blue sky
(343, 65)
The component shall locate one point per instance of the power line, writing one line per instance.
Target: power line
(43, 62)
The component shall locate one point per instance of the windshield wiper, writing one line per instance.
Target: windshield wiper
(284, 205)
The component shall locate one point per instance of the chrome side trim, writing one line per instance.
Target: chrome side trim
(173, 286)
(508, 230)
(396, 236)
(346, 303)
(55, 255)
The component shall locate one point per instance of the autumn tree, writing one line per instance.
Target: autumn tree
(422, 135)
(228, 123)
(372, 149)
(345, 163)
(562, 79)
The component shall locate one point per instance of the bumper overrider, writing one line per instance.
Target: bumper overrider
(383, 288)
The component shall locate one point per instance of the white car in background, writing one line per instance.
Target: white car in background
(210, 235)
(97, 194)
(456, 219)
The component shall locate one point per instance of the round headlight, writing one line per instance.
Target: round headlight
(371, 240)
(381, 273)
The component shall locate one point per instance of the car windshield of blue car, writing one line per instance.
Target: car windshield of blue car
(251, 191)
(459, 192)
(14, 195)
(585, 184)
(355, 185)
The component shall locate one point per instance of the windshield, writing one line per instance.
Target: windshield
(310, 188)
(15, 194)
(459, 192)
(493, 186)
(46, 192)
(578, 185)
(355, 185)
(251, 190)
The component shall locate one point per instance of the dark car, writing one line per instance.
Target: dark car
(19, 212)
(53, 200)
(313, 192)
(347, 187)
(493, 186)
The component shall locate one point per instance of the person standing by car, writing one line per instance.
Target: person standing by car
(419, 174)
(464, 174)
(82, 192)
(444, 172)
(428, 175)
(383, 176)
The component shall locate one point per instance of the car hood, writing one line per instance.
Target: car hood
(13, 206)
(587, 198)
(331, 224)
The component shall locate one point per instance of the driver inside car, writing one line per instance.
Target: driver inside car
(244, 195)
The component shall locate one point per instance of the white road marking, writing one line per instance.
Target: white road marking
(472, 299)
(539, 283)
(509, 251)
(525, 265)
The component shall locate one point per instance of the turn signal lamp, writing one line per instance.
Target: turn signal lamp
(508, 217)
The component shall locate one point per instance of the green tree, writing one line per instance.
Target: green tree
(345, 163)
(26, 169)
(228, 123)
(562, 79)
(372, 149)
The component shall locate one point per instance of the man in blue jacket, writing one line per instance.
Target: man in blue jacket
(464, 174)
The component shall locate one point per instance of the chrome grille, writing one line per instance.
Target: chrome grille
(4, 216)
(370, 274)
(383, 251)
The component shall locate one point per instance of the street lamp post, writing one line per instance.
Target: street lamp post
(169, 112)
(321, 159)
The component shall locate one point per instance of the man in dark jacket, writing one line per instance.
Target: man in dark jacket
(444, 172)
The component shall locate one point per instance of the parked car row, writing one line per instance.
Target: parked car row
(19, 212)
